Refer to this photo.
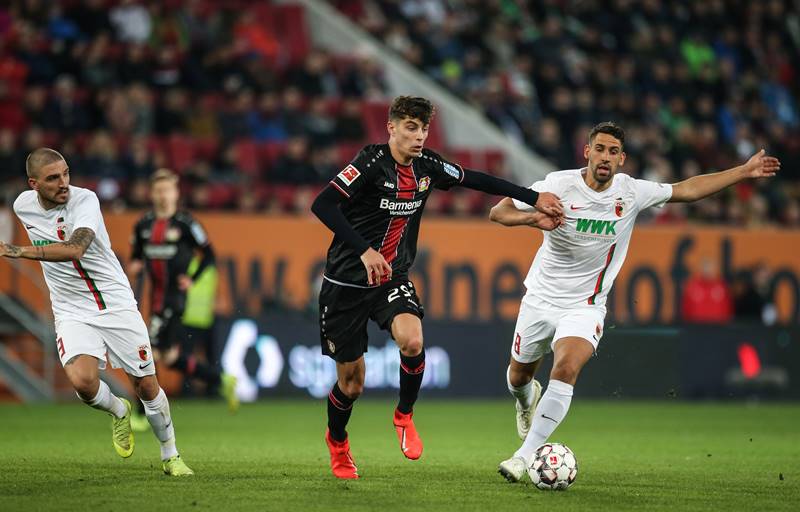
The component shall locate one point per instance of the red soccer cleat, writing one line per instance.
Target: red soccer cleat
(342, 463)
(410, 443)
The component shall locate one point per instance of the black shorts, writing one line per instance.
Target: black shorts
(165, 328)
(345, 310)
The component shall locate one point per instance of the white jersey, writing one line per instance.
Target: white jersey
(578, 262)
(92, 285)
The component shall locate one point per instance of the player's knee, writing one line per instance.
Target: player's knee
(519, 379)
(565, 371)
(146, 387)
(352, 388)
(85, 385)
(411, 345)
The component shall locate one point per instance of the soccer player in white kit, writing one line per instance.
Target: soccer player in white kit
(93, 304)
(574, 269)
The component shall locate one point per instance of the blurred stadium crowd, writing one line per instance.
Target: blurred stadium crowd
(697, 85)
(232, 95)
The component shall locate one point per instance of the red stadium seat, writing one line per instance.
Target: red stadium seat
(375, 116)
(495, 161)
(221, 195)
(346, 152)
(206, 148)
(155, 144)
(463, 157)
(269, 153)
(293, 32)
(247, 158)
(13, 116)
(284, 196)
(180, 152)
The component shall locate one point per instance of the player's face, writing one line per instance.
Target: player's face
(409, 136)
(604, 155)
(164, 194)
(52, 182)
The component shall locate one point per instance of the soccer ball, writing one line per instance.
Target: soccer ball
(554, 467)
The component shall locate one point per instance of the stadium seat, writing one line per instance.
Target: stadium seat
(206, 148)
(247, 157)
(269, 153)
(347, 151)
(180, 152)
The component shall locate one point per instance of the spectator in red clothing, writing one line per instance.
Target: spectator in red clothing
(706, 298)
(252, 37)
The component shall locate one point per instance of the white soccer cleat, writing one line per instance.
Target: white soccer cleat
(513, 469)
(524, 415)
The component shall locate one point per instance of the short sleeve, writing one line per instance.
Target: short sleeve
(352, 178)
(86, 213)
(196, 232)
(650, 193)
(539, 186)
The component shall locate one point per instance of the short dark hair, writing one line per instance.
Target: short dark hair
(413, 107)
(610, 128)
(40, 157)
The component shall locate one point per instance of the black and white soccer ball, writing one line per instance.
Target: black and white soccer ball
(554, 467)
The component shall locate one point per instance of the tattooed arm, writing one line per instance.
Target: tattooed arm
(72, 249)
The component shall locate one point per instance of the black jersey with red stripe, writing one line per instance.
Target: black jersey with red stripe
(384, 202)
(167, 246)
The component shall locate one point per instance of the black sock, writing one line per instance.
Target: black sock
(411, 371)
(339, 408)
(191, 367)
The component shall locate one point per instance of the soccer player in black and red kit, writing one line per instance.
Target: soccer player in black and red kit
(374, 207)
(164, 242)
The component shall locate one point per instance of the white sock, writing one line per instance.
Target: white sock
(522, 393)
(157, 412)
(549, 414)
(107, 401)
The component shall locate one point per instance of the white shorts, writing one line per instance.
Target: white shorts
(120, 335)
(540, 325)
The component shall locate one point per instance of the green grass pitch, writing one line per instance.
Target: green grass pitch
(271, 456)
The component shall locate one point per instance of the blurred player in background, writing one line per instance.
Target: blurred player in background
(199, 316)
(165, 240)
(374, 207)
(573, 271)
(93, 304)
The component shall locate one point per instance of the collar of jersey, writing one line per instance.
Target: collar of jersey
(593, 193)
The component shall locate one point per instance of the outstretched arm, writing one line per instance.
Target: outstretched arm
(698, 187)
(545, 202)
(507, 214)
(72, 249)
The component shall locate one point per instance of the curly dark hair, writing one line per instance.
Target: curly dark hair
(413, 107)
(610, 128)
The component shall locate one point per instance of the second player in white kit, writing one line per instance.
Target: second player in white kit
(93, 304)
(572, 273)
(564, 307)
